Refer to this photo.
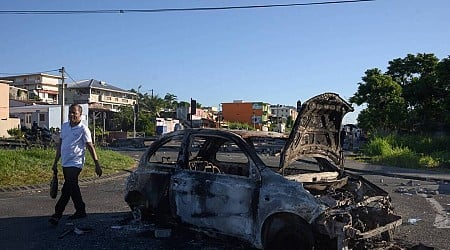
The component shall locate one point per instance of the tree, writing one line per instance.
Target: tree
(125, 117)
(443, 85)
(386, 108)
(170, 101)
(417, 74)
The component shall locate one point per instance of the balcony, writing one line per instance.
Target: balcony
(86, 98)
(115, 100)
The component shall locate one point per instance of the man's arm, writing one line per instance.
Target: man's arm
(57, 156)
(98, 168)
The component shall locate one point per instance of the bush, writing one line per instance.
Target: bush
(378, 146)
(15, 132)
(238, 125)
(411, 151)
(428, 162)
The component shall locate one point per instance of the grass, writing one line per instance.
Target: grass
(23, 167)
(410, 151)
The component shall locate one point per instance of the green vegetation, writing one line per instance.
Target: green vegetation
(410, 151)
(239, 125)
(33, 166)
(412, 96)
(15, 132)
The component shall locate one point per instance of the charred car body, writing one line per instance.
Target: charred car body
(216, 181)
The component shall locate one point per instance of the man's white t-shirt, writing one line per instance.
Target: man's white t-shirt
(73, 144)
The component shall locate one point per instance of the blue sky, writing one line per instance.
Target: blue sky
(275, 55)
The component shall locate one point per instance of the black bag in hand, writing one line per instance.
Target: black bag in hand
(54, 186)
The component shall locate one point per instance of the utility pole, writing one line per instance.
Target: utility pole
(93, 114)
(62, 95)
(278, 125)
(134, 119)
(136, 110)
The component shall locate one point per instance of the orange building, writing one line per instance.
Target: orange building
(255, 114)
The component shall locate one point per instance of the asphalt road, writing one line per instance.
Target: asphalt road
(423, 205)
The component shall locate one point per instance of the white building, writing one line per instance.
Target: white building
(282, 111)
(42, 87)
(48, 116)
(99, 94)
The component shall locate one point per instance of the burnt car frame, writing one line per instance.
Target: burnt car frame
(224, 182)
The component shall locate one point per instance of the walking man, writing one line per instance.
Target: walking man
(75, 137)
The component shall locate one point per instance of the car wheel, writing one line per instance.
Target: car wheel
(140, 213)
(296, 236)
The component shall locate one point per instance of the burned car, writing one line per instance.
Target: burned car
(267, 189)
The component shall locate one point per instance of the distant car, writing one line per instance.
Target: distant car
(296, 197)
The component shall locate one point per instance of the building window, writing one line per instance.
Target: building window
(42, 117)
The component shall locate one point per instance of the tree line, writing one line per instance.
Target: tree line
(413, 95)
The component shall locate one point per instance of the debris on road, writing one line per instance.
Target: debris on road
(413, 221)
(416, 190)
(80, 231)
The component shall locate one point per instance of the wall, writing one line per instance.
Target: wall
(54, 117)
(238, 112)
(6, 124)
(4, 100)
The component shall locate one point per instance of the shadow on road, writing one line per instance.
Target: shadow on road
(100, 231)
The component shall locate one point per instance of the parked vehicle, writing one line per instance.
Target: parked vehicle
(300, 197)
(38, 136)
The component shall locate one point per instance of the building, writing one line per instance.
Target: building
(5, 121)
(41, 87)
(255, 114)
(16, 93)
(48, 116)
(103, 99)
(280, 115)
(204, 117)
(283, 111)
(99, 94)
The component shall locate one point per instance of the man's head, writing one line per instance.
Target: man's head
(75, 112)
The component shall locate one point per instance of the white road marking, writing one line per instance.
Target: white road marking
(441, 220)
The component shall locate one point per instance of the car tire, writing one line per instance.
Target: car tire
(296, 236)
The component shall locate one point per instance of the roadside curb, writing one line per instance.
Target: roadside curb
(46, 186)
(402, 176)
(404, 173)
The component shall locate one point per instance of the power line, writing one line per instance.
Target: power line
(67, 73)
(72, 12)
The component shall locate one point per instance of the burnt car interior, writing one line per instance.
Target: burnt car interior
(216, 154)
(167, 153)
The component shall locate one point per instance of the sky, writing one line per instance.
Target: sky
(275, 55)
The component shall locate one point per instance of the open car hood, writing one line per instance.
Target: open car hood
(316, 131)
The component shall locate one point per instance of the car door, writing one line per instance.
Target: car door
(218, 196)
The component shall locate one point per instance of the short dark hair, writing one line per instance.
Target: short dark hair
(77, 106)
